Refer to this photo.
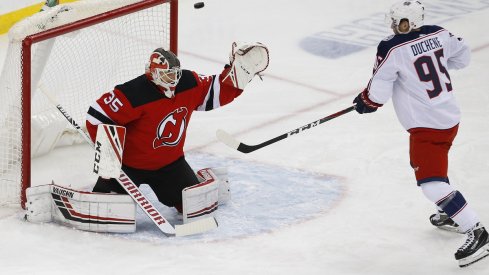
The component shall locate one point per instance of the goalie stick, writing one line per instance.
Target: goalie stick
(227, 139)
(132, 189)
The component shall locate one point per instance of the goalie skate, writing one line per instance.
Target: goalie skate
(475, 248)
(442, 221)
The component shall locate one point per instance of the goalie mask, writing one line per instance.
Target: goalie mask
(413, 11)
(164, 70)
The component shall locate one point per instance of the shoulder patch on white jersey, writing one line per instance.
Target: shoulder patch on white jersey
(452, 35)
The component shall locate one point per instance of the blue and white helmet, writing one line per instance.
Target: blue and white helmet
(413, 11)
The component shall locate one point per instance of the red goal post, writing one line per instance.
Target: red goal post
(77, 52)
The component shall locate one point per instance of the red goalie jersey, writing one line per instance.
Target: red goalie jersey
(156, 125)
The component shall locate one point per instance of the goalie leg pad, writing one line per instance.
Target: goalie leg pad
(224, 190)
(224, 194)
(39, 204)
(200, 200)
(87, 211)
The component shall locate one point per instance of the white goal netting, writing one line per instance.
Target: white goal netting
(76, 66)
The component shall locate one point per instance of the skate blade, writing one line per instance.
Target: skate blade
(477, 256)
(450, 229)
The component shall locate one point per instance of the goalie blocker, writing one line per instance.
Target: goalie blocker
(109, 147)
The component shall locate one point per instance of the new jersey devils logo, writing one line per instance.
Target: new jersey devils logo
(171, 128)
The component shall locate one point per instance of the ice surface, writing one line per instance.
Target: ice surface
(337, 199)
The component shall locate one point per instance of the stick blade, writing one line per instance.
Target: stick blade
(196, 227)
(227, 139)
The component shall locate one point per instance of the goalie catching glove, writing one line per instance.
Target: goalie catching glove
(247, 60)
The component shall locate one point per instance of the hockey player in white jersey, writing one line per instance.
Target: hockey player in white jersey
(412, 68)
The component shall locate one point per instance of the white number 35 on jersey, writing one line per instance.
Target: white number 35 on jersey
(114, 103)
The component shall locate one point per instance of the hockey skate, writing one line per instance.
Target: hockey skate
(475, 248)
(443, 221)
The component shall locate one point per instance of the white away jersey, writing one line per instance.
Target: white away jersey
(413, 69)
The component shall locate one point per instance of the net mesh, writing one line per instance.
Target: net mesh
(76, 67)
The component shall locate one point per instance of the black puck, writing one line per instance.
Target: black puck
(199, 5)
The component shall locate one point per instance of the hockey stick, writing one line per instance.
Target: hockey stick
(227, 139)
(132, 189)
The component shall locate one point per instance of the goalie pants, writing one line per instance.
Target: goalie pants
(167, 182)
(428, 151)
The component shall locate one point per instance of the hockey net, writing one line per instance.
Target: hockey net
(76, 52)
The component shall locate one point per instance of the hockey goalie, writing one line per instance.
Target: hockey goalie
(140, 128)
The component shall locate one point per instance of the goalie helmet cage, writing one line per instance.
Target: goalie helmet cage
(77, 52)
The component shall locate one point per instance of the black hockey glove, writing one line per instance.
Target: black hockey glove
(364, 104)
